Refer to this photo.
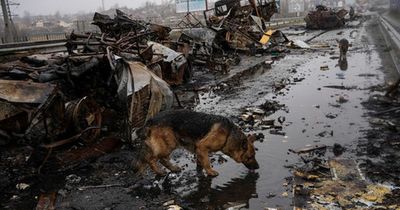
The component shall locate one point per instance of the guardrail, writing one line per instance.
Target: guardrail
(277, 23)
(392, 39)
(35, 38)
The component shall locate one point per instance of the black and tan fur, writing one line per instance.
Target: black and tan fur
(197, 132)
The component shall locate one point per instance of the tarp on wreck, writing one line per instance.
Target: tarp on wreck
(146, 93)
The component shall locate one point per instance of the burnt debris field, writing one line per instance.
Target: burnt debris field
(319, 93)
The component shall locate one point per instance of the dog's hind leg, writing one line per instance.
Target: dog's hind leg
(167, 163)
(162, 142)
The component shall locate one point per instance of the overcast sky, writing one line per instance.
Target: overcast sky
(44, 7)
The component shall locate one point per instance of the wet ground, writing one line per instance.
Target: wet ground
(323, 107)
(322, 103)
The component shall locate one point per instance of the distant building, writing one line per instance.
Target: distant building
(331, 3)
(39, 24)
(65, 24)
(43, 24)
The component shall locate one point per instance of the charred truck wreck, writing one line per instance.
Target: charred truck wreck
(325, 18)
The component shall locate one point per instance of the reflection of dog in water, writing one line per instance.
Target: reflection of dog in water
(237, 190)
(198, 132)
(343, 64)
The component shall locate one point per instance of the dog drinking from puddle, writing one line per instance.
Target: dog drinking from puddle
(197, 132)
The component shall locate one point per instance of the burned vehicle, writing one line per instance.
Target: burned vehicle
(325, 18)
(240, 25)
(263, 9)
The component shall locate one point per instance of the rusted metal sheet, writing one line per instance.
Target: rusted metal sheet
(8, 110)
(145, 93)
(47, 201)
(33, 111)
(12, 119)
(325, 18)
(25, 92)
(175, 64)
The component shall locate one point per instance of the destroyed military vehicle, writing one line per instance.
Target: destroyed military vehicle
(325, 18)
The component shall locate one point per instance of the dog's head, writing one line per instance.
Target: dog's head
(249, 153)
(241, 149)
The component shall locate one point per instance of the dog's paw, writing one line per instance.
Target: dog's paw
(212, 173)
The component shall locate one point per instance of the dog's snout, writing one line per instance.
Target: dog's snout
(252, 165)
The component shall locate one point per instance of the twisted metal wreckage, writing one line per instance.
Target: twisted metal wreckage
(117, 79)
(325, 18)
(120, 78)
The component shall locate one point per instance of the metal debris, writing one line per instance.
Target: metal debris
(325, 18)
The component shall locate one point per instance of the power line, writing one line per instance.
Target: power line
(9, 27)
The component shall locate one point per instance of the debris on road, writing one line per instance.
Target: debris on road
(309, 149)
(257, 118)
(324, 68)
(335, 183)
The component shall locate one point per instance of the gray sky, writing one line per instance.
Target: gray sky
(44, 7)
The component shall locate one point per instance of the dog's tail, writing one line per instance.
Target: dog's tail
(142, 150)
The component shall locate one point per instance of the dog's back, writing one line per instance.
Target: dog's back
(188, 124)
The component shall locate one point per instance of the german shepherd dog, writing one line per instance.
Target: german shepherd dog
(197, 132)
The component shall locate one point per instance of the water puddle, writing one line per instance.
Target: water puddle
(323, 108)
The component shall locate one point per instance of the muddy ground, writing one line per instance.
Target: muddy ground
(320, 102)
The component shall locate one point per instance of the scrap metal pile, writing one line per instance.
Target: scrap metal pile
(325, 18)
(323, 182)
(61, 98)
(128, 68)
(110, 83)
(240, 25)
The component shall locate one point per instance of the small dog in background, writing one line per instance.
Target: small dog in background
(197, 132)
(343, 47)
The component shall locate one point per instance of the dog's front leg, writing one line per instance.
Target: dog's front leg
(202, 157)
(155, 168)
(173, 168)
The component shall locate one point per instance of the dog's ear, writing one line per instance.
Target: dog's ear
(252, 138)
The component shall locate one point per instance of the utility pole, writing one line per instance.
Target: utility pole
(9, 27)
(102, 4)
